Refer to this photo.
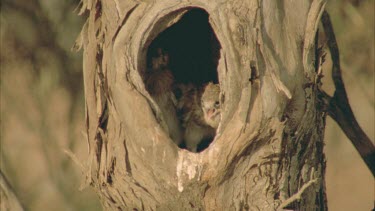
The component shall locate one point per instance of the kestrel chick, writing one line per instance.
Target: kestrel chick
(199, 112)
(159, 82)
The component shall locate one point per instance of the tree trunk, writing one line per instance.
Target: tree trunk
(268, 149)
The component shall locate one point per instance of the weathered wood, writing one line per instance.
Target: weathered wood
(270, 139)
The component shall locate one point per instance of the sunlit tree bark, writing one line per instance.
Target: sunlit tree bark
(268, 150)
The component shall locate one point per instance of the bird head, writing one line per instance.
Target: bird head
(161, 60)
(210, 103)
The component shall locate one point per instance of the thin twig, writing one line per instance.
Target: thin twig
(74, 158)
(338, 105)
(297, 196)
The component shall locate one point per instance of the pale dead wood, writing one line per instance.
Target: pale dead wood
(338, 106)
(265, 146)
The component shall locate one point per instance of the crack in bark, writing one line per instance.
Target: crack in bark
(250, 149)
(127, 160)
(124, 20)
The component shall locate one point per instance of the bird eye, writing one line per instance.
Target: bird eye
(217, 104)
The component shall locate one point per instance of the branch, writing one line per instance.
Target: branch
(10, 199)
(298, 195)
(74, 158)
(338, 106)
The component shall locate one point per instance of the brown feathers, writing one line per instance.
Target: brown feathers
(196, 114)
(210, 104)
(159, 78)
(159, 82)
(199, 113)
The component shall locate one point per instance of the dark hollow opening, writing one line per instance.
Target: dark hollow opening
(193, 50)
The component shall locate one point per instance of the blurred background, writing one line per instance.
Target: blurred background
(42, 104)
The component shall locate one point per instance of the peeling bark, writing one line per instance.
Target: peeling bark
(269, 144)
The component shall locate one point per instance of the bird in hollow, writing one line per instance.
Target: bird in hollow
(159, 82)
(199, 112)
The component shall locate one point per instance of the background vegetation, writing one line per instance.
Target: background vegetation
(42, 104)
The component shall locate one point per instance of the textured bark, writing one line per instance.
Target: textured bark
(268, 151)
